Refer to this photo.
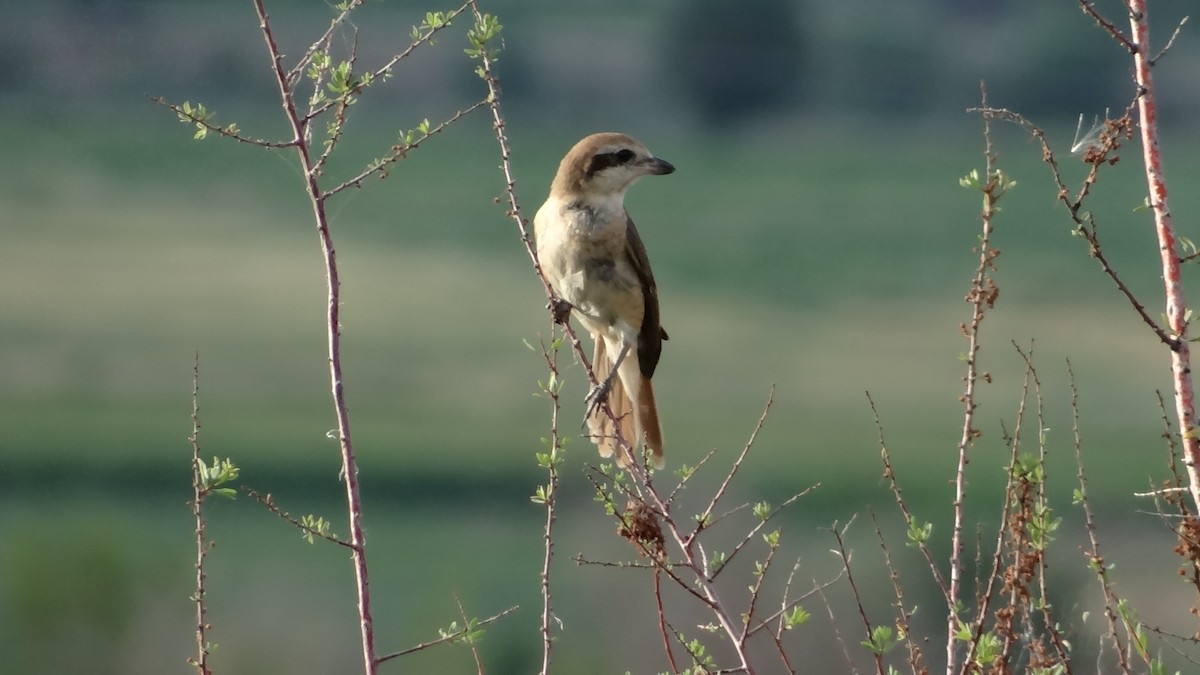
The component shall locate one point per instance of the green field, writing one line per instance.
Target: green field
(822, 250)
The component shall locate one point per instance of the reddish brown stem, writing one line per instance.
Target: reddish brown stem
(298, 125)
(1168, 245)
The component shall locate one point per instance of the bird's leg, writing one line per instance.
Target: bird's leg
(599, 393)
(559, 310)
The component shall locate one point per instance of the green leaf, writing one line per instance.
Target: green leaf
(797, 616)
(918, 532)
(772, 538)
(762, 510)
(971, 180)
(882, 639)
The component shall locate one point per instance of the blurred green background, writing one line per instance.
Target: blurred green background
(814, 238)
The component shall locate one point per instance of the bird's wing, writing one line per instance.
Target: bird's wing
(650, 337)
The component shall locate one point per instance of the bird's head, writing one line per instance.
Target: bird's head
(605, 165)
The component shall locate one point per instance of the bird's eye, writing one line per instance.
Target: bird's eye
(624, 156)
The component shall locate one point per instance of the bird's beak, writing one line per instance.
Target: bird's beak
(659, 167)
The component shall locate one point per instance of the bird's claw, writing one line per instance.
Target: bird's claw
(559, 310)
(596, 397)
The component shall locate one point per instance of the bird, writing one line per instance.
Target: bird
(594, 259)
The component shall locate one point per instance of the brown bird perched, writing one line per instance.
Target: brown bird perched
(596, 262)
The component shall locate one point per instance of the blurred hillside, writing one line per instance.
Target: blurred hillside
(669, 62)
(814, 238)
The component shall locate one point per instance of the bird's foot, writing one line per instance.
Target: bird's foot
(559, 310)
(596, 397)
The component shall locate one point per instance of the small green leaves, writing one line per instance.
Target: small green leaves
(469, 634)
(433, 22)
(549, 460)
(759, 570)
(342, 82)
(998, 183)
(486, 29)
(772, 538)
(1043, 526)
(762, 510)
(1029, 468)
(971, 180)
(796, 617)
(202, 118)
(703, 661)
(314, 526)
(1188, 246)
(317, 65)
(918, 532)
(987, 648)
(212, 477)
(881, 640)
(716, 562)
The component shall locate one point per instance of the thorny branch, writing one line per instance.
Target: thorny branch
(1095, 559)
(202, 543)
(982, 296)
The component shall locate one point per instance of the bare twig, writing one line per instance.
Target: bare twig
(704, 518)
(1108, 26)
(448, 637)
(837, 631)
(400, 151)
(663, 625)
(787, 605)
(688, 475)
(844, 555)
(760, 525)
(781, 623)
(903, 616)
(1171, 42)
(889, 473)
(549, 499)
(1095, 559)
